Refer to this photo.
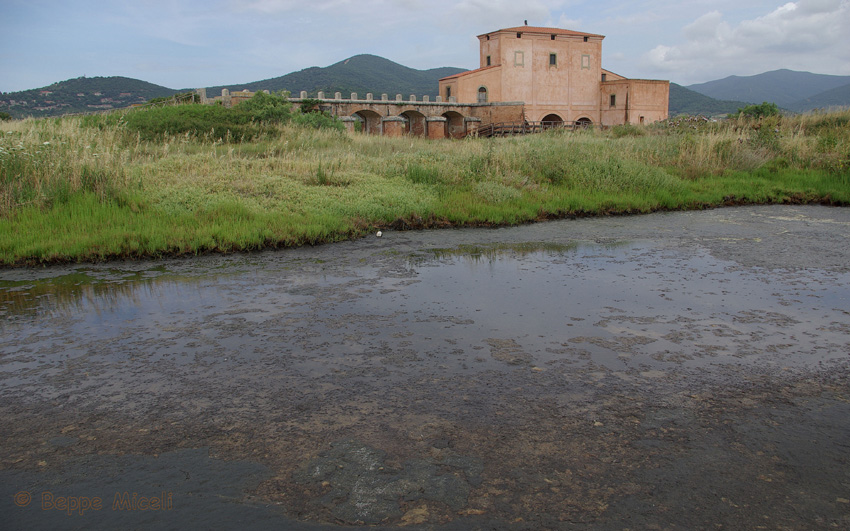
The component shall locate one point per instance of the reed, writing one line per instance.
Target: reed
(91, 189)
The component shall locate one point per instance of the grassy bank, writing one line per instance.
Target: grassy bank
(89, 189)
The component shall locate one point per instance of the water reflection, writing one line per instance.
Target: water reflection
(80, 292)
(624, 306)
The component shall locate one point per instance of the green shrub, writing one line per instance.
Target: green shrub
(318, 120)
(200, 121)
(759, 111)
(268, 108)
(183, 98)
(310, 105)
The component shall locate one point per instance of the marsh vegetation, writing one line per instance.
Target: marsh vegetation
(195, 179)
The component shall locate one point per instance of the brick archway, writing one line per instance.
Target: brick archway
(455, 125)
(370, 122)
(551, 121)
(414, 123)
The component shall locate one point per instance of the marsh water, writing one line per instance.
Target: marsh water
(678, 370)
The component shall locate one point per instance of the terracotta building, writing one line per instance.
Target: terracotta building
(557, 75)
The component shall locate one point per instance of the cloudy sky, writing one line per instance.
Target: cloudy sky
(182, 44)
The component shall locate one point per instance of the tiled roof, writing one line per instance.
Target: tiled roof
(545, 31)
(470, 72)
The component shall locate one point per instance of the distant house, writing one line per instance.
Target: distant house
(558, 75)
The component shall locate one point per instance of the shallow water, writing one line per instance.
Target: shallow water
(468, 377)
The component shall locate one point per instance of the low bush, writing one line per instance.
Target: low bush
(317, 120)
(200, 121)
(758, 111)
(268, 108)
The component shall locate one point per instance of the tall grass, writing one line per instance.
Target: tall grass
(92, 188)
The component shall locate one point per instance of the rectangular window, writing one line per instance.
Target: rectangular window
(585, 39)
(519, 58)
(553, 59)
(604, 76)
(553, 37)
(488, 60)
(448, 93)
(585, 62)
(613, 100)
(519, 35)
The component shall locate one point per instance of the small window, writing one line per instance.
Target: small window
(585, 62)
(604, 76)
(519, 58)
(553, 59)
(518, 35)
(585, 39)
(482, 95)
(613, 100)
(553, 37)
(488, 60)
(488, 37)
(448, 93)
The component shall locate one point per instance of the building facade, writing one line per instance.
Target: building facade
(557, 76)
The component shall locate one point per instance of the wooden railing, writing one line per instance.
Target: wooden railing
(527, 128)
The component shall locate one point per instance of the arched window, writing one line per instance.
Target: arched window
(482, 95)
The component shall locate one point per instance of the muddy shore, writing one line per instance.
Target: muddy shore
(686, 370)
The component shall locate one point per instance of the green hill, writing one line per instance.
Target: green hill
(361, 74)
(837, 97)
(686, 101)
(368, 73)
(782, 87)
(82, 94)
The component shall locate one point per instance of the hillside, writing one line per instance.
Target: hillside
(786, 88)
(686, 101)
(837, 97)
(796, 91)
(361, 74)
(82, 94)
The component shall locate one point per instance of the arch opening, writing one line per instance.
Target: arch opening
(414, 123)
(551, 121)
(455, 126)
(368, 122)
(482, 94)
(584, 122)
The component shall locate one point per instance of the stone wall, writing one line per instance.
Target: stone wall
(399, 115)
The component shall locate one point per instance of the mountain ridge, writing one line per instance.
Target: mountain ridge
(80, 95)
(789, 89)
(361, 73)
(365, 73)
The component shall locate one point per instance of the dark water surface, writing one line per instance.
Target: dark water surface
(681, 371)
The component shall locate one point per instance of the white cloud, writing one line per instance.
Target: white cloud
(803, 35)
(182, 43)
